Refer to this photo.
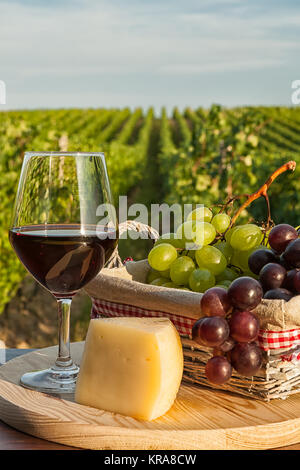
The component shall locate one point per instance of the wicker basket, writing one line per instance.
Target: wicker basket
(120, 290)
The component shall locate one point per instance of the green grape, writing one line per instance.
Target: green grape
(153, 274)
(159, 281)
(165, 273)
(226, 283)
(230, 232)
(228, 274)
(240, 258)
(184, 253)
(171, 239)
(235, 261)
(266, 240)
(170, 285)
(209, 233)
(246, 237)
(212, 259)
(196, 233)
(162, 256)
(221, 285)
(225, 248)
(186, 232)
(181, 269)
(221, 222)
(250, 274)
(190, 234)
(203, 214)
(191, 254)
(201, 279)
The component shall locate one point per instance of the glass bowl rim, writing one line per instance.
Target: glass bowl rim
(61, 154)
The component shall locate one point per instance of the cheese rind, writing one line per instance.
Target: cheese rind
(132, 366)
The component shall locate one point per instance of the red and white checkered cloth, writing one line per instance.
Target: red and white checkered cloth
(112, 309)
(285, 339)
(267, 339)
(293, 357)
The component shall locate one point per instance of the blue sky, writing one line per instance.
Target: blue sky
(92, 53)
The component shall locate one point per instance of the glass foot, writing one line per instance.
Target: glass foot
(55, 380)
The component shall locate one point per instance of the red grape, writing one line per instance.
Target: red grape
(218, 370)
(289, 280)
(284, 263)
(215, 302)
(244, 326)
(292, 254)
(196, 328)
(296, 282)
(259, 258)
(292, 281)
(278, 293)
(245, 293)
(227, 345)
(211, 331)
(280, 236)
(272, 275)
(246, 358)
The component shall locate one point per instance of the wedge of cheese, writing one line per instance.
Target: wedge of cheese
(131, 366)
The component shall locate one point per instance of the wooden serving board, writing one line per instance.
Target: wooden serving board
(199, 419)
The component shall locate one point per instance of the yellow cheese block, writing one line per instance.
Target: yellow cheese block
(131, 366)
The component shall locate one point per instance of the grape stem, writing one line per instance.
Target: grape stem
(263, 191)
(230, 201)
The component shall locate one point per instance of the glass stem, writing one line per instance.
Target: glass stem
(64, 356)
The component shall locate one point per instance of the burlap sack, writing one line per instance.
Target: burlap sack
(126, 285)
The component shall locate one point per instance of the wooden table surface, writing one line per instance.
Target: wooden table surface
(11, 439)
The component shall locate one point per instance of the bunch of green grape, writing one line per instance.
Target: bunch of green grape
(204, 252)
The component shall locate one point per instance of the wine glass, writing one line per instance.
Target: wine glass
(61, 236)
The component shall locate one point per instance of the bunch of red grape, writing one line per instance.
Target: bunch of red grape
(231, 329)
(234, 267)
(278, 268)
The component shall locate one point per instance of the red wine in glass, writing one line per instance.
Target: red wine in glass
(63, 258)
(60, 239)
